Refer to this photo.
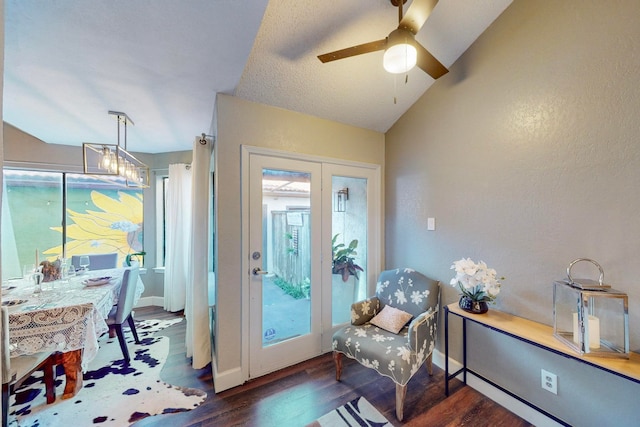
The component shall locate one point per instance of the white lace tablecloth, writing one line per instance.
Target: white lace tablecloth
(64, 316)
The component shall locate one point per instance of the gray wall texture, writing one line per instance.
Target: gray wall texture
(527, 155)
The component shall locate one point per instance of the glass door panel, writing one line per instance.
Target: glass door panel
(286, 255)
(349, 231)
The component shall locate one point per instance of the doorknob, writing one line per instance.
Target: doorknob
(257, 271)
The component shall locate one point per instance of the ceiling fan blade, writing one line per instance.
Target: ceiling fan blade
(354, 50)
(428, 63)
(417, 15)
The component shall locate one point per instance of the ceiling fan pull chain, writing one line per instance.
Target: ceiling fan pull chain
(395, 89)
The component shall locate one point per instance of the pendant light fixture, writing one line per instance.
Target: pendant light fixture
(114, 160)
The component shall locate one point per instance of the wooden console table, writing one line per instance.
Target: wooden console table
(533, 333)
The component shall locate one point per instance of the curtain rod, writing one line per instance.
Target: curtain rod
(203, 138)
(187, 166)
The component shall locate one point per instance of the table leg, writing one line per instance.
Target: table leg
(446, 351)
(49, 379)
(71, 361)
(464, 349)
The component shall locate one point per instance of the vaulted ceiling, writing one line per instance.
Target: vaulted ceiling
(69, 62)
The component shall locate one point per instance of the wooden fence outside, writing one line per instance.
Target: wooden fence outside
(291, 246)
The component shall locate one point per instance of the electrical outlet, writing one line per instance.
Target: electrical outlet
(549, 381)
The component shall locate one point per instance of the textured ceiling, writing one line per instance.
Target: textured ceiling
(283, 69)
(68, 62)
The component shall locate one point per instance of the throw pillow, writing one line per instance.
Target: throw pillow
(391, 319)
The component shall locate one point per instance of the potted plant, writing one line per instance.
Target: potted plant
(344, 259)
(477, 283)
(130, 256)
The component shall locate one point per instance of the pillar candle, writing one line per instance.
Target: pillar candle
(593, 331)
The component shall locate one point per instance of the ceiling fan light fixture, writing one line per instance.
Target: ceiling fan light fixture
(401, 54)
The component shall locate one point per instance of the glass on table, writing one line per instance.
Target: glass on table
(85, 263)
(37, 279)
(64, 266)
(27, 271)
(69, 274)
(64, 271)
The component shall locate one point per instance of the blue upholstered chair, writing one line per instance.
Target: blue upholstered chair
(414, 302)
(97, 261)
(121, 312)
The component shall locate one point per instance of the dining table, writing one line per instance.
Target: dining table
(65, 318)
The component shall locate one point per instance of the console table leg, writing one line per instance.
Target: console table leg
(446, 351)
(464, 349)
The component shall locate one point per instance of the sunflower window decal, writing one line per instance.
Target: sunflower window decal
(115, 227)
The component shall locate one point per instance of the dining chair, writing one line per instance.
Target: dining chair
(17, 369)
(97, 261)
(121, 312)
(393, 332)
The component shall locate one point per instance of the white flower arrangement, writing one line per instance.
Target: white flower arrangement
(476, 281)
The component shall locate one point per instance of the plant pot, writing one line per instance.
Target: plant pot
(471, 306)
(342, 298)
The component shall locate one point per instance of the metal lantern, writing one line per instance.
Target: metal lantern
(591, 317)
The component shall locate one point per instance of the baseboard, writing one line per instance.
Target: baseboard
(150, 301)
(227, 379)
(512, 404)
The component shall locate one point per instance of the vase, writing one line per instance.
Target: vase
(471, 306)
(342, 296)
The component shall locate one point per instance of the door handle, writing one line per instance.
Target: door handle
(258, 271)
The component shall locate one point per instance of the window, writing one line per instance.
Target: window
(63, 214)
(162, 184)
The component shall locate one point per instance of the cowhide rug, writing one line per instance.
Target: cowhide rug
(113, 393)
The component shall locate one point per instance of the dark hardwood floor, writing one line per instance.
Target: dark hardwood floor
(298, 395)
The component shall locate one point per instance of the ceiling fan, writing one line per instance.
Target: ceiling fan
(402, 51)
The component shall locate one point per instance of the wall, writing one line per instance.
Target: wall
(241, 122)
(527, 155)
(25, 151)
(2, 367)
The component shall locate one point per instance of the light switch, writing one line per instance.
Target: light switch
(431, 224)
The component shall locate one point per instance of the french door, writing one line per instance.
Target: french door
(284, 277)
(295, 209)
(351, 213)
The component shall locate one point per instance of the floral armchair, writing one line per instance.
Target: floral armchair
(414, 300)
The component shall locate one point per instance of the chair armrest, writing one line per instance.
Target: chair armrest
(363, 311)
(422, 330)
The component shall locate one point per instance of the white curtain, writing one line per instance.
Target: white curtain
(198, 335)
(177, 272)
